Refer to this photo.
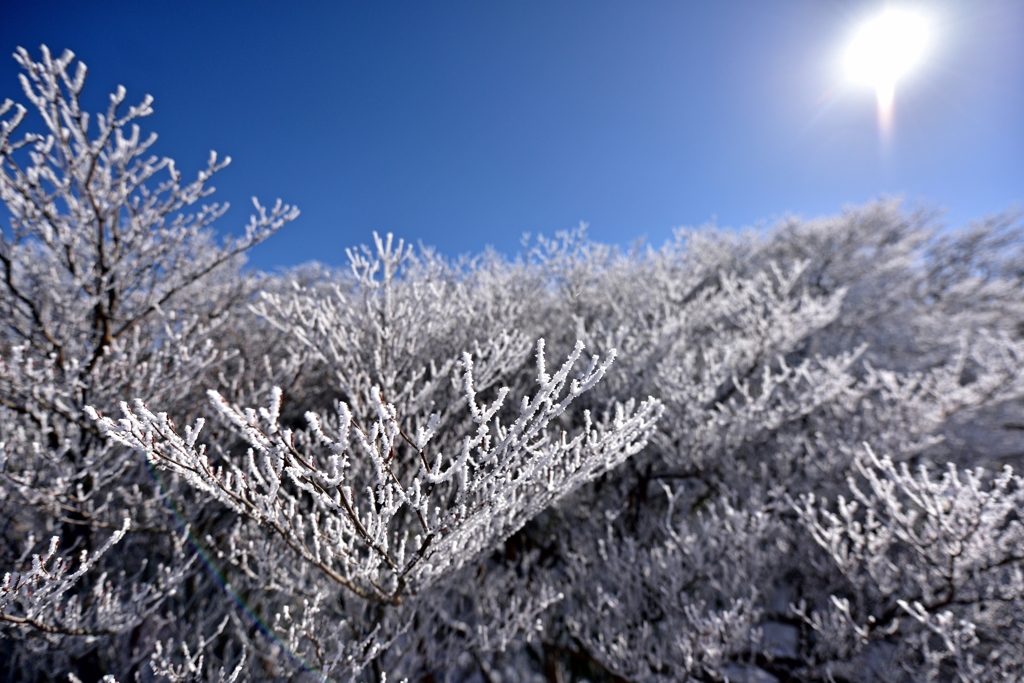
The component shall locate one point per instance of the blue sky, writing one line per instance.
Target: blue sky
(466, 124)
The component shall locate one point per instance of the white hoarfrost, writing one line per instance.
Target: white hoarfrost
(424, 469)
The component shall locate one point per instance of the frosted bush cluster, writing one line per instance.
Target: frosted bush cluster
(782, 456)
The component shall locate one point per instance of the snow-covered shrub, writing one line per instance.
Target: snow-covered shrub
(579, 465)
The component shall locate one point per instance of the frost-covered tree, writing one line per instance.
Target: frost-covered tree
(110, 288)
(741, 456)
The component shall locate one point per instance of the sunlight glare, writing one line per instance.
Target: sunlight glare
(883, 51)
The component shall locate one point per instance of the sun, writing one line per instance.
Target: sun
(884, 50)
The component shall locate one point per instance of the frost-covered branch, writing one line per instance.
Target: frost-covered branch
(381, 532)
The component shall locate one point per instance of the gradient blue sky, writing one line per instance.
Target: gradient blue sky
(466, 124)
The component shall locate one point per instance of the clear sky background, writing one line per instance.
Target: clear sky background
(466, 124)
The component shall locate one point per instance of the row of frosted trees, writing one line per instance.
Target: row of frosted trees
(782, 456)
